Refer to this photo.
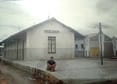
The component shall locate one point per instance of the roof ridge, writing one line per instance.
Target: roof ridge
(50, 19)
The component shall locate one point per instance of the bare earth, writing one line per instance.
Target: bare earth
(11, 75)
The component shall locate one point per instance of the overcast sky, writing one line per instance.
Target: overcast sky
(82, 15)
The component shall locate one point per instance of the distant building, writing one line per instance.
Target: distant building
(114, 40)
(1, 49)
(92, 45)
(49, 38)
(80, 46)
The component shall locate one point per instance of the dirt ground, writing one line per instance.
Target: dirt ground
(12, 75)
(6, 79)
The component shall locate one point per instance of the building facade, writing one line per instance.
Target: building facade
(41, 41)
(1, 49)
(92, 45)
(80, 47)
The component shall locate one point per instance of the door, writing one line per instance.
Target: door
(94, 52)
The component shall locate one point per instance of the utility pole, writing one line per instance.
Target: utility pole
(48, 15)
(100, 41)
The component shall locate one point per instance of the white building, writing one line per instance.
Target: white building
(92, 45)
(80, 47)
(49, 38)
(114, 39)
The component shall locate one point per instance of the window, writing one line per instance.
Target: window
(51, 44)
(82, 46)
(76, 46)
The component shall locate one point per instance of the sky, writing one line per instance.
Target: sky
(81, 15)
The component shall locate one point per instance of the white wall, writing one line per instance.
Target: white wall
(11, 51)
(14, 49)
(37, 42)
(87, 45)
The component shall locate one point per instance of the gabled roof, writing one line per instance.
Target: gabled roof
(91, 35)
(114, 37)
(94, 35)
(77, 34)
(107, 38)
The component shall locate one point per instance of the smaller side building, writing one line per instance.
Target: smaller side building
(79, 46)
(92, 45)
(1, 49)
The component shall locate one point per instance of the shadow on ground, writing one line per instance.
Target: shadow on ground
(105, 82)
